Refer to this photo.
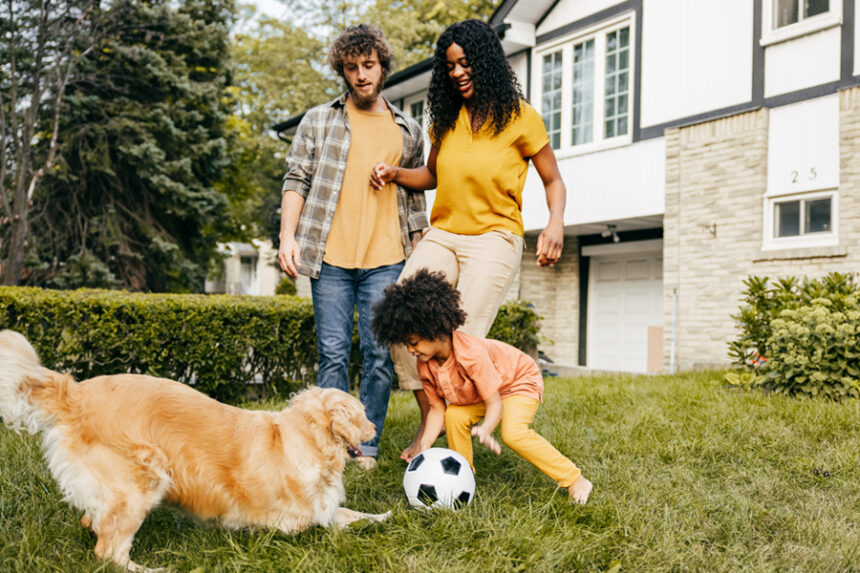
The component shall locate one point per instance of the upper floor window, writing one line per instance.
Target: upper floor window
(789, 19)
(787, 12)
(584, 84)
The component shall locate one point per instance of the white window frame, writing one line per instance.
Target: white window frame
(565, 44)
(828, 239)
(407, 108)
(817, 23)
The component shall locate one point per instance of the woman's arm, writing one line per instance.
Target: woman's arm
(420, 178)
(551, 240)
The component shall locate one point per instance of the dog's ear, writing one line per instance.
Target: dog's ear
(346, 417)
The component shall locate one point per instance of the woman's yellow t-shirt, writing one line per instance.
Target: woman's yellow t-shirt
(480, 178)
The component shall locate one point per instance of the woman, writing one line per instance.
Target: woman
(483, 135)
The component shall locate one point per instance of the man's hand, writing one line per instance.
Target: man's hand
(486, 438)
(381, 174)
(289, 256)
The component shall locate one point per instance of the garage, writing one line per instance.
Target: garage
(625, 306)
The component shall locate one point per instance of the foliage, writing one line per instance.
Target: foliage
(218, 343)
(815, 349)
(286, 286)
(799, 336)
(518, 324)
(143, 145)
(277, 71)
(41, 44)
(687, 477)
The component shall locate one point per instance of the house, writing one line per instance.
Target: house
(248, 268)
(701, 142)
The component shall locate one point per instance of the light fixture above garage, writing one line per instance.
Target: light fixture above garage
(610, 232)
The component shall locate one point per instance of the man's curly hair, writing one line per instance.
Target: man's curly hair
(357, 41)
(497, 93)
(425, 304)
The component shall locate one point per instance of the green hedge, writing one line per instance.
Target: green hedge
(799, 337)
(218, 343)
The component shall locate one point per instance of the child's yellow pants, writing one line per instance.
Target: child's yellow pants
(517, 415)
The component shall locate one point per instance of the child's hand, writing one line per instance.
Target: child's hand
(410, 452)
(486, 438)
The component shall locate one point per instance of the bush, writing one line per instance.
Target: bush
(217, 343)
(799, 337)
(518, 324)
(815, 350)
(287, 286)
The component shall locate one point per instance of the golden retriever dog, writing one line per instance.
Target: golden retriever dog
(120, 445)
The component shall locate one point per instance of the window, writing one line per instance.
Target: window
(551, 100)
(584, 86)
(416, 110)
(799, 221)
(787, 12)
(788, 19)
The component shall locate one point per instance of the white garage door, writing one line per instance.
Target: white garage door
(625, 298)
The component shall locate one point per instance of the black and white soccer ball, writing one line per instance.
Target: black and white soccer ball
(439, 477)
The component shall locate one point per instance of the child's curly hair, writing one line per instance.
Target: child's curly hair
(357, 41)
(425, 304)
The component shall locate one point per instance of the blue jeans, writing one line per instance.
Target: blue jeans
(336, 295)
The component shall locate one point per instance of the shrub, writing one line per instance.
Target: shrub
(217, 343)
(518, 324)
(799, 337)
(286, 286)
(815, 350)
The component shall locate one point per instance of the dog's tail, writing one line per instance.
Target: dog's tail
(22, 375)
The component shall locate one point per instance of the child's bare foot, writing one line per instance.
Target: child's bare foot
(579, 491)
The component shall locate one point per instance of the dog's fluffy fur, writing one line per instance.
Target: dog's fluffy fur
(119, 445)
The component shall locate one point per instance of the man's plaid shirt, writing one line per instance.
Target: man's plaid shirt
(315, 165)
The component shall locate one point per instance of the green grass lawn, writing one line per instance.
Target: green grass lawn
(688, 476)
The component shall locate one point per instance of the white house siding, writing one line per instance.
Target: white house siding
(695, 57)
(856, 35)
(567, 11)
(803, 62)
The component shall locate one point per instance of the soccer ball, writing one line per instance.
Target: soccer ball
(439, 477)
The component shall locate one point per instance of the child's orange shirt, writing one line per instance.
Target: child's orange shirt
(478, 367)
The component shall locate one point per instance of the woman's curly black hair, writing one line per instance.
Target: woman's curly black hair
(425, 304)
(497, 93)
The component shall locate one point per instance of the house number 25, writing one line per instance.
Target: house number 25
(795, 175)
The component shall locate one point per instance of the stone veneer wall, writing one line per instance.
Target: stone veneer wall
(555, 293)
(715, 184)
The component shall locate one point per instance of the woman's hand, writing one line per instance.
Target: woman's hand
(382, 173)
(550, 244)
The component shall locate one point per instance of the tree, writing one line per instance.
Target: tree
(134, 200)
(41, 43)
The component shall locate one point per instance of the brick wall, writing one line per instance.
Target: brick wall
(715, 184)
(555, 293)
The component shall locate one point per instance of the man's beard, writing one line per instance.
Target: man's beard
(364, 102)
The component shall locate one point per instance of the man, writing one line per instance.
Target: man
(350, 238)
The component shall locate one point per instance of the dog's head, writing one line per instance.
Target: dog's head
(338, 412)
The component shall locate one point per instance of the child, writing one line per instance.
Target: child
(479, 379)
